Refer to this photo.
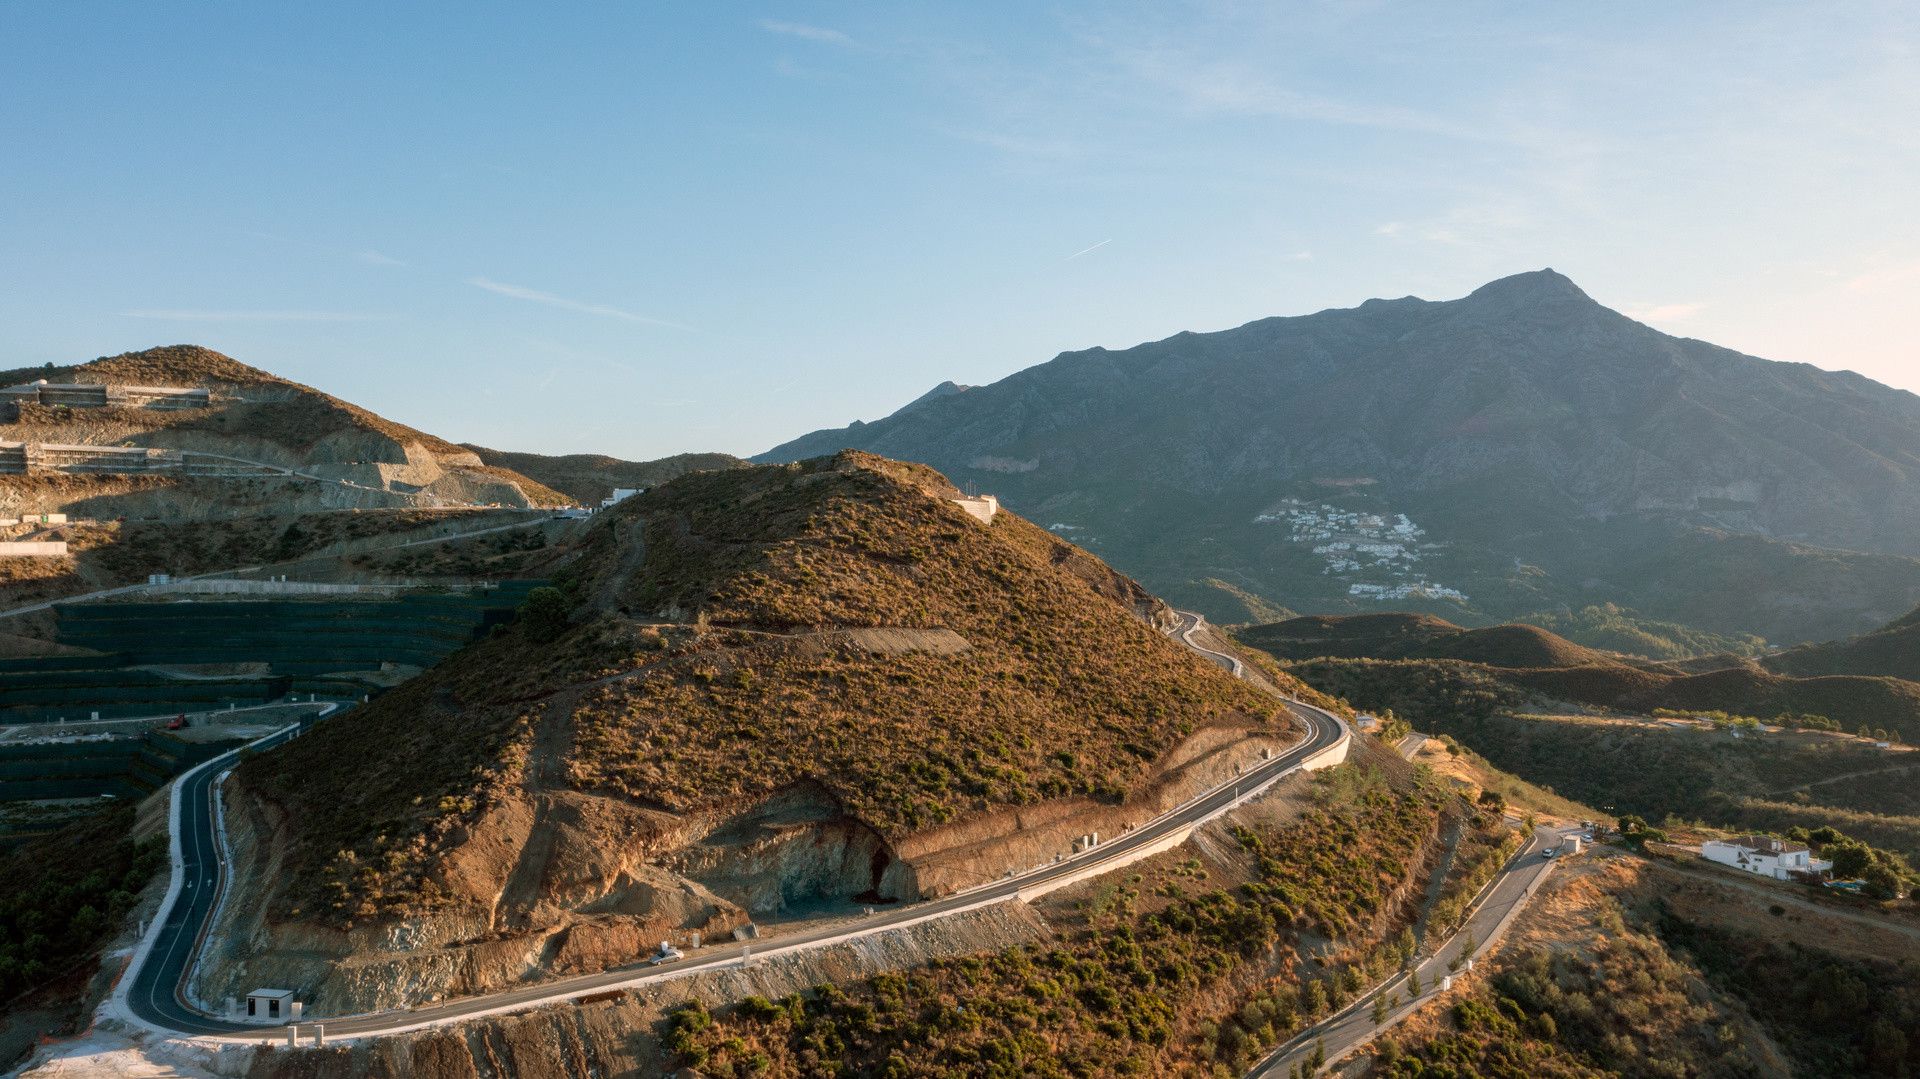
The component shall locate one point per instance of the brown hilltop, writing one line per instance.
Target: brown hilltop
(165, 365)
(778, 685)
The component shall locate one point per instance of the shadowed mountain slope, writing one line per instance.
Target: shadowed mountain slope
(1549, 451)
(1893, 649)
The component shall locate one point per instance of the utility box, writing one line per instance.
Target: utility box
(271, 1006)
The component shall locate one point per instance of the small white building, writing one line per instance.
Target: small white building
(620, 494)
(271, 1005)
(980, 508)
(1764, 855)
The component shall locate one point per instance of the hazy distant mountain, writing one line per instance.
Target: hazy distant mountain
(1522, 446)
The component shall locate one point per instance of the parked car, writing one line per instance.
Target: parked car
(177, 723)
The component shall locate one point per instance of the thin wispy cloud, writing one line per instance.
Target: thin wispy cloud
(180, 314)
(1086, 250)
(549, 299)
(1210, 86)
(376, 258)
(805, 32)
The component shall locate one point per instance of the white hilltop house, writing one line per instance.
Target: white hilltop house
(980, 507)
(620, 494)
(1764, 855)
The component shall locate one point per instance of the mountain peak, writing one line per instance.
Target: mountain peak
(1531, 287)
(945, 389)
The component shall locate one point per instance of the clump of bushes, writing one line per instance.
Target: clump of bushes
(66, 893)
(1116, 996)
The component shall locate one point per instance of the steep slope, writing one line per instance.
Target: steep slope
(588, 477)
(1540, 449)
(779, 689)
(256, 426)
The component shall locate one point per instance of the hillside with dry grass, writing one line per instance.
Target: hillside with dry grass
(758, 688)
(1626, 966)
(589, 477)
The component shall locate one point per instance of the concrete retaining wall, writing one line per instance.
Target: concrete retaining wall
(33, 549)
(100, 395)
(25, 457)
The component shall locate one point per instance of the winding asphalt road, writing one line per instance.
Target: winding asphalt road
(1352, 1027)
(157, 1000)
(153, 992)
(1190, 624)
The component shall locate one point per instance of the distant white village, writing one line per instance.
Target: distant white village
(1386, 549)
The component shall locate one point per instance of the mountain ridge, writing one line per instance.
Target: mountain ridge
(1523, 425)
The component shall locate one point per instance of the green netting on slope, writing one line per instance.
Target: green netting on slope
(122, 766)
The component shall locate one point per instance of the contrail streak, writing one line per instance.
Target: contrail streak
(1095, 247)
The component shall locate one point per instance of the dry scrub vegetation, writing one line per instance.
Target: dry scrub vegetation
(709, 665)
(1063, 691)
(1773, 781)
(1184, 968)
(1603, 978)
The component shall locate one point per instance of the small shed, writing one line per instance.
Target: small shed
(267, 1005)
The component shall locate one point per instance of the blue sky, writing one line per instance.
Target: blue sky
(646, 228)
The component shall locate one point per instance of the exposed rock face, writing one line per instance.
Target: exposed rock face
(1524, 423)
(794, 848)
(569, 883)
